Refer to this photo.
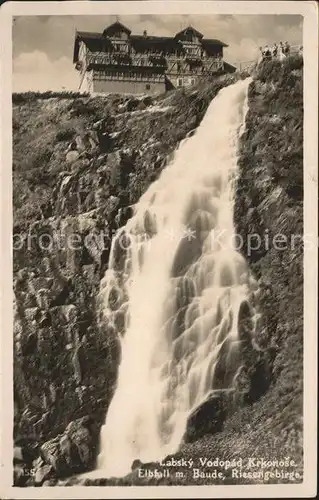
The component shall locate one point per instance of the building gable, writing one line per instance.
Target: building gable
(189, 34)
(117, 30)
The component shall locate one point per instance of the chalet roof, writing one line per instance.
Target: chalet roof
(117, 26)
(96, 42)
(210, 43)
(186, 30)
(160, 42)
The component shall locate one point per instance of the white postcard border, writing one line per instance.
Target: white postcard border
(309, 10)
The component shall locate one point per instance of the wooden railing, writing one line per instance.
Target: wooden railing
(246, 65)
(151, 59)
(108, 58)
(121, 59)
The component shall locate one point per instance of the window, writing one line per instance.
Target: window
(147, 86)
(179, 82)
(191, 51)
(120, 47)
(120, 35)
(188, 35)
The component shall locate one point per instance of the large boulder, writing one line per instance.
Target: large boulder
(52, 455)
(71, 452)
(43, 474)
(208, 418)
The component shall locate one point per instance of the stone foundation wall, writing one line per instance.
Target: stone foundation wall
(128, 87)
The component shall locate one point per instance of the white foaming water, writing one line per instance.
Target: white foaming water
(173, 291)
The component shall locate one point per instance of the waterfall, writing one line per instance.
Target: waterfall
(173, 291)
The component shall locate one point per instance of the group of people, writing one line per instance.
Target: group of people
(276, 51)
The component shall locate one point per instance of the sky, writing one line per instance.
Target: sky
(43, 45)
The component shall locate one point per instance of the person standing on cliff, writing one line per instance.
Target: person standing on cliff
(267, 52)
(286, 49)
(281, 52)
(261, 55)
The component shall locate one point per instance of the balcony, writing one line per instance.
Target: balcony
(157, 59)
(193, 57)
(108, 58)
(212, 64)
(120, 53)
(179, 63)
(124, 59)
(182, 66)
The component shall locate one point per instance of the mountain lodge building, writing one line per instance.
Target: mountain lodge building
(116, 61)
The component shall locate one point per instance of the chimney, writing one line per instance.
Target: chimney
(145, 34)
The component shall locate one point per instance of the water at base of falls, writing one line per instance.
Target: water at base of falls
(173, 292)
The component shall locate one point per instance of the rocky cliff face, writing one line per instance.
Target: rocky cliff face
(80, 163)
(269, 217)
(78, 166)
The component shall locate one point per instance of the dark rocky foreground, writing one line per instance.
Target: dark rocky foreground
(66, 358)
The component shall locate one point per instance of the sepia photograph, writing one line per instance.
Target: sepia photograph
(163, 244)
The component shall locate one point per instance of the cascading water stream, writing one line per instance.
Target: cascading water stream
(173, 291)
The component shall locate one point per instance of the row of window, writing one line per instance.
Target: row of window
(118, 75)
(174, 68)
